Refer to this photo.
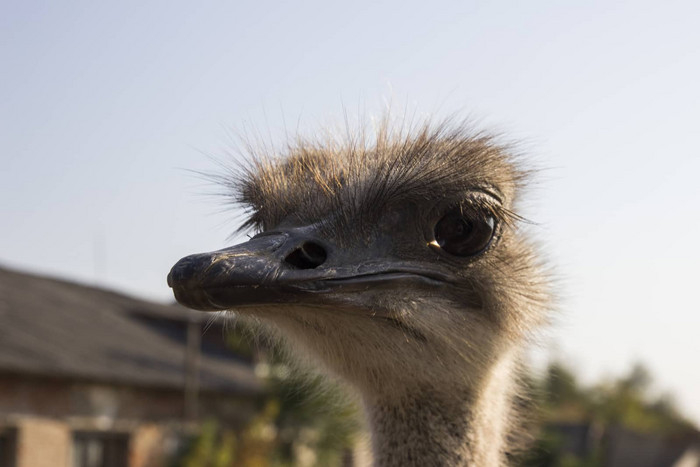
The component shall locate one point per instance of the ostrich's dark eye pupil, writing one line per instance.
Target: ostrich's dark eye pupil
(452, 230)
(464, 234)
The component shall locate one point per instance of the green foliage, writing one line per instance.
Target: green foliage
(544, 452)
(315, 414)
(309, 415)
(224, 453)
(560, 385)
(549, 451)
(211, 448)
(625, 402)
(302, 420)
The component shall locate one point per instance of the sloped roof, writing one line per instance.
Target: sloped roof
(55, 328)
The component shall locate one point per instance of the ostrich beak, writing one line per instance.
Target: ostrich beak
(288, 268)
(244, 274)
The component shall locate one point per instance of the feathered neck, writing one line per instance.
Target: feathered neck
(465, 425)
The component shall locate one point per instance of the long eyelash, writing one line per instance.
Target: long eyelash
(503, 215)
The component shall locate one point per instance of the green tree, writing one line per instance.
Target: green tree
(623, 402)
(310, 414)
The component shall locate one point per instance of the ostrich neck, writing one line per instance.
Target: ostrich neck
(433, 427)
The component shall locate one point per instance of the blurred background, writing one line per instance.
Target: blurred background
(108, 111)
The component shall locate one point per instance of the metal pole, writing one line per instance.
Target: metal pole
(192, 354)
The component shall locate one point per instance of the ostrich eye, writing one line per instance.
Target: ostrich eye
(463, 233)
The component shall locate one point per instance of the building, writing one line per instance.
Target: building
(94, 378)
(616, 446)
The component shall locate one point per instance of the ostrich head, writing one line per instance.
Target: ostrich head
(396, 264)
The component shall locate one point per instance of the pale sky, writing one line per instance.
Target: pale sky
(105, 109)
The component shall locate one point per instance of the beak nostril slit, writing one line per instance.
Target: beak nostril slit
(308, 255)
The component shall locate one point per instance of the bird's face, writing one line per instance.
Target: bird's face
(378, 288)
(412, 250)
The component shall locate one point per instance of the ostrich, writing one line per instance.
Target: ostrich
(397, 264)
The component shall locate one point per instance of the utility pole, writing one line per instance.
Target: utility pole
(192, 357)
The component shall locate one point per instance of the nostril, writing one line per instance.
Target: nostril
(308, 255)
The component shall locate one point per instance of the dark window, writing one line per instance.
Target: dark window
(100, 449)
(8, 447)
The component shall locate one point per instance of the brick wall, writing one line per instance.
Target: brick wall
(42, 443)
(147, 447)
(46, 413)
(61, 399)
